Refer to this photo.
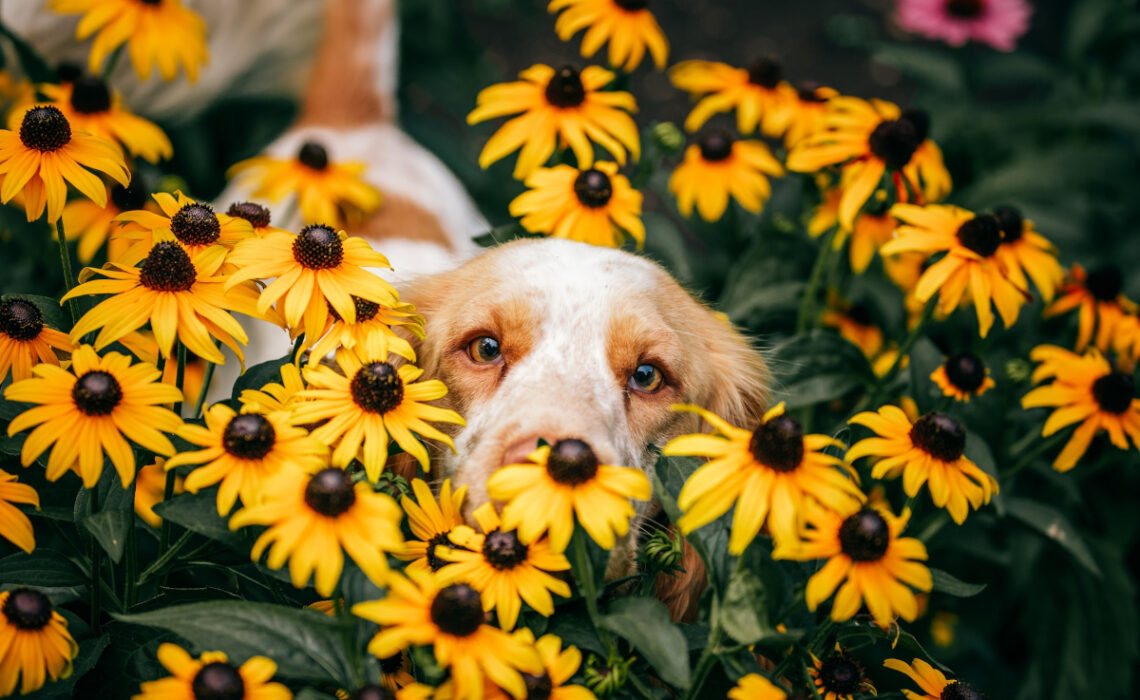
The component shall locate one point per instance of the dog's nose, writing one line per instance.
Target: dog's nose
(569, 455)
(517, 453)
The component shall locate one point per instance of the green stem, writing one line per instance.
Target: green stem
(96, 589)
(709, 655)
(198, 404)
(876, 394)
(1042, 447)
(168, 553)
(588, 589)
(132, 566)
(168, 487)
(807, 305)
(348, 635)
(65, 261)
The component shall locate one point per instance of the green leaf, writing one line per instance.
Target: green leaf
(1051, 523)
(711, 541)
(305, 644)
(109, 528)
(576, 630)
(945, 583)
(646, 624)
(198, 512)
(43, 568)
(743, 611)
(53, 313)
(259, 375)
(816, 367)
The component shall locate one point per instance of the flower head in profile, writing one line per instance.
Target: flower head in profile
(628, 25)
(211, 675)
(562, 482)
(327, 191)
(316, 269)
(502, 568)
(25, 339)
(840, 677)
(313, 519)
(963, 376)
(718, 166)
(150, 490)
(34, 642)
(929, 450)
(372, 319)
(1088, 391)
(596, 205)
(998, 23)
(758, 93)
(258, 216)
(91, 409)
(1024, 252)
(926, 173)
(431, 523)
(970, 268)
(367, 403)
(159, 33)
(933, 683)
(562, 107)
(93, 225)
(14, 525)
(40, 157)
(420, 610)
(768, 472)
(867, 560)
(1098, 295)
(195, 225)
(242, 450)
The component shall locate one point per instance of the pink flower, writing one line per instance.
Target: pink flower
(998, 23)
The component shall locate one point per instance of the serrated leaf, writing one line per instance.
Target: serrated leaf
(44, 568)
(948, 584)
(1051, 523)
(109, 528)
(646, 624)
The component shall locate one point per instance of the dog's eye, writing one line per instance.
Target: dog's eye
(484, 350)
(646, 378)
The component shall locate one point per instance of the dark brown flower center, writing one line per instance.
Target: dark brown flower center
(393, 663)
(565, 89)
(27, 609)
(632, 5)
(1010, 222)
(330, 492)
(68, 72)
(1105, 283)
(965, 371)
(89, 95)
(861, 314)
(765, 72)
(20, 319)
(318, 247)
(865, 536)
(716, 145)
(96, 393)
(45, 129)
(957, 690)
(152, 2)
(966, 9)
(920, 120)
(377, 387)
(593, 188)
(894, 141)
(503, 550)
(374, 692)
(538, 687)
(457, 610)
(808, 91)
(313, 155)
(571, 462)
(840, 675)
(1114, 392)
(167, 268)
(255, 214)
(196, 224)
(434, 561)
(940, 436)
(249, 436)
(365, 310)
(778, 443)
(218, 681)
(133, 196)
(981, 234)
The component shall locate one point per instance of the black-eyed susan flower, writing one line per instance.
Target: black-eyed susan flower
(431, 522)
(182, 298)
(561, 107)
(864, 553)
(193, 224)
(756, 687)
(395, 673)
(93, 408)
(242, 451)
(1024, 252)
(90, 105)
(369, 402)
(767, 472)
(159, 33)
(211, 676)
(34, 642)
(717, 166)
(14, 525)
(963, 376)
(969, 270)
(628, 25)
(44, 152)
(327, 191)
(502, 568)
(1087, 390)
(258, 217)
(934, 684)
(94, 225)
(150, 489)
(560, 665)
(855, 322)
(371, 319)
(562, 482)
(314, 270)
(926, 172)
(1098, 296)
(872, 228)
(758, 93)
(595, 205)
(928, 451)
(807, 111)
(25, 340)
(418, 610)
(314, 518)
(276, 396)
(840, 677)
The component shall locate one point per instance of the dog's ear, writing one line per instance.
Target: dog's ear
(739, 377)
